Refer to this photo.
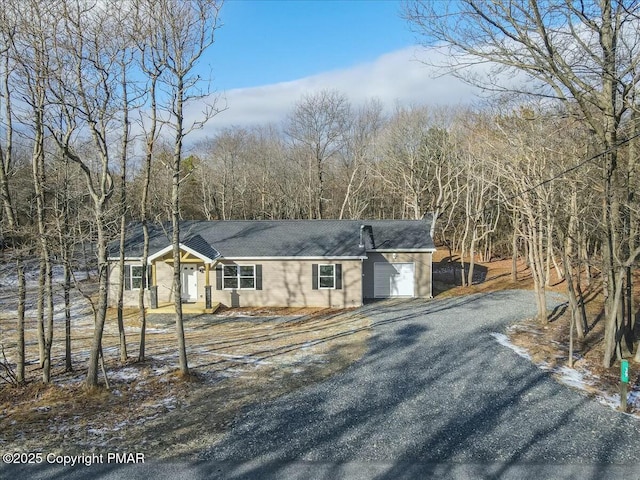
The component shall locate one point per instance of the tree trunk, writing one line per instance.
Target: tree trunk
(536, 261)
(45, 300)
(120, 303)
(101, 309)
(472, 259)
(571, 295)
(68, 367)
(613, 325)
(22, 293)
(123, 210)
(584, 323)
(46, 369)
(514, 250)
(175, 220)
(143, 212)
(40, 310)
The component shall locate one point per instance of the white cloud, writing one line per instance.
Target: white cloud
(394, 78)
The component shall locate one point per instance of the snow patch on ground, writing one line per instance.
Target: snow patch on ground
(502, 339)
(573, 378)
(126, 374)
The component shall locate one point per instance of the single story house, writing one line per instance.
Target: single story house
(320, 263)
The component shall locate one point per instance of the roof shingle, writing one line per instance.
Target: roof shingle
(286, 238)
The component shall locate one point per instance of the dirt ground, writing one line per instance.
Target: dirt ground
(236, 358)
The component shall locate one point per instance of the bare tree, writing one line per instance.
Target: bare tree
(186, 31)
(318, 126)
(86, 98)
(123, 33)
(32, 45)
(416, 160)
(11, 231)
(358, 157)
(151, 64)
(481, 195)
(582, 53)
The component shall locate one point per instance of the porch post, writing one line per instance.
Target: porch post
(153, 288)
(207, 287)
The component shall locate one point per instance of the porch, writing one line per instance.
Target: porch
(196, 261)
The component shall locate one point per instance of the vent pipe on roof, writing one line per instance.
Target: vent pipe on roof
(366, 237)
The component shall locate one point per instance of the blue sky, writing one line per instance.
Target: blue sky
(266, 41)
(269, 53)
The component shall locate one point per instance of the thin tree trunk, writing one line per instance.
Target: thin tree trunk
(514, 255)
(613, 325)
(40, 310)
(10, 216)
(123, 210)
(45, 300)
(571, 295)
(472, 259)
(175, 218)
(584, 323)
(120, 303)
(101, 310)
(144, 201)
(67, 316)
(46, 370)
(22, 294)
(65, 252)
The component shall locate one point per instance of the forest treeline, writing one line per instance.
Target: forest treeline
(94, 137)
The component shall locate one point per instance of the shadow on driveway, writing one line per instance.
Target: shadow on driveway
(434, 397)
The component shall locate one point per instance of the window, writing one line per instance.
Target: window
(326, 276)
(136, 276)
(133, 277)
(239, 276)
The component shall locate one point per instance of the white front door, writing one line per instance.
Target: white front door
(189, 283)
(393, 279)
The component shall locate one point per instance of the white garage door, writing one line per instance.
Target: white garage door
(393, 279)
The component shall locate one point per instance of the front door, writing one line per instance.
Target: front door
(189, 283)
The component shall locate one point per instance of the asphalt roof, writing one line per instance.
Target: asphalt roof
(284, 238)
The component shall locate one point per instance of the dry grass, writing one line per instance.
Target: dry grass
(236, 358)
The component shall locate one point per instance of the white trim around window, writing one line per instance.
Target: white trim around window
(326, 276)
(133, 277)
(238, 277)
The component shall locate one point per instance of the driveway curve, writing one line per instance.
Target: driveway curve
(435, 395)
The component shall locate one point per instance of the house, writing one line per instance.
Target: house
(320, 263)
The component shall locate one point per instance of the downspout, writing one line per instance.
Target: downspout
(362, 282)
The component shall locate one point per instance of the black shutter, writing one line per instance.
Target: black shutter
(127, 277)
(149, 276)
(258, 277)
(314, 276)
(338, 268)
(219, 277)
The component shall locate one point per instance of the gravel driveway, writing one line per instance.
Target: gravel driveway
(435, 397)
